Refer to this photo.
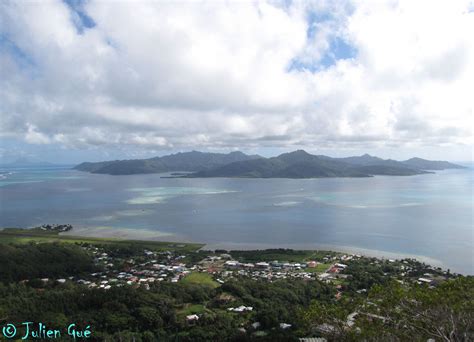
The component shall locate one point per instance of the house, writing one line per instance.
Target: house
(192, 318)
(214, 258)
(425, 280)
(241, 308)
(323, 276)
(256, 325)
(232, 263)
(285, 326)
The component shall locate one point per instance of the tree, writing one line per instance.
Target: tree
(445, 312)
(407, 312)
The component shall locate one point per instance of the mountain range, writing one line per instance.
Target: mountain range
(188, 161)
(297, 164)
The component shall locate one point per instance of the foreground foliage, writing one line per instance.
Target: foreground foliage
(400, 312)
(373, 307)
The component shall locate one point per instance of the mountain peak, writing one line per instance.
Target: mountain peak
(295, 154)
(300, 152)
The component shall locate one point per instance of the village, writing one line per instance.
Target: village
(148, 267)
(223, 274)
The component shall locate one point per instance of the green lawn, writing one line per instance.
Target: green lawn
(320, 268)
(200, 278)
(15, 235)
(338, 282)
(191, 309)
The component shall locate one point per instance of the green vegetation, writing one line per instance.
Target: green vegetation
(367, 299)
(159, 313)
(200, 278)
(280, 254)
(190, 309)
(399, 312)
(21, 236)
(319, 268)
(33, 261)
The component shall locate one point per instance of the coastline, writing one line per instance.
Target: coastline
(120, 233)
(327, 247)
(154, 235)
(143, 236)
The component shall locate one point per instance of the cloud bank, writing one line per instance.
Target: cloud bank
(166, 75)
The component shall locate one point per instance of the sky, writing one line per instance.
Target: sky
(98, 80)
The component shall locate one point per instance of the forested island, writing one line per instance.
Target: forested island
(147, 291)
(297, 164)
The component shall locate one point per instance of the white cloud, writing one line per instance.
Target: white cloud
(32, 136)
(191, 75)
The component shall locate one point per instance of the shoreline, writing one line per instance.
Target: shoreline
(144, 235)
(154, 235)
(326, 247)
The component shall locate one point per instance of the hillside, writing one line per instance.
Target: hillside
(297, 164)
(188, 161)
(179, 292)
(300, 164)
(424, 164)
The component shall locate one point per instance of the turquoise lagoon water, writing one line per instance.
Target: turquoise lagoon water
(427, 216)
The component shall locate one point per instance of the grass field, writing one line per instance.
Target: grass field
(16, 235)
(200, 278)
(190, 309)
(320, 268)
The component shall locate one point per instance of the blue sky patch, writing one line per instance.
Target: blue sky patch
(21, 58)
(314, 18)
(338, 48)
(80, 18)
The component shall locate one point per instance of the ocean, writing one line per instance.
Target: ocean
(429, 217)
